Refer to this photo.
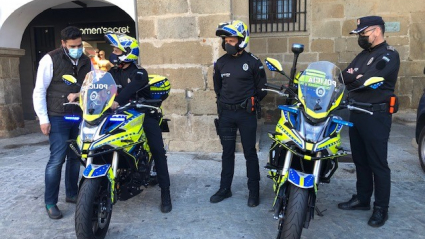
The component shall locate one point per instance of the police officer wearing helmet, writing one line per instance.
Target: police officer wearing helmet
(238, 79)
(132, 78)
(370, 133)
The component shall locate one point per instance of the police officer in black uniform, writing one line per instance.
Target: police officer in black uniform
(238, 79)
(370, 133)
(132, 79)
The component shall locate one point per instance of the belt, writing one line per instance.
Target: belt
(231, 107)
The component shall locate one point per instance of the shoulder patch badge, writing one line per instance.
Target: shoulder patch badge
(390, 48)
(256, 58)
(370, 61)
(386, 59)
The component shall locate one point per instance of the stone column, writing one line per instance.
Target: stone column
(11, 116)
(177, 40)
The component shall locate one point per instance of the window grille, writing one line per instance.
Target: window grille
(277, 15)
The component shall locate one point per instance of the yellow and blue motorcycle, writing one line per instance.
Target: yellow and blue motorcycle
(114, 150)
(306, 143)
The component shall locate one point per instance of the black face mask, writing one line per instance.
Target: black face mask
(363, 42)
(231, 50)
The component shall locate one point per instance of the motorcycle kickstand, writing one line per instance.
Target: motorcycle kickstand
(319, 212)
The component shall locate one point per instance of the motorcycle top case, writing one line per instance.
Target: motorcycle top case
(159, 87)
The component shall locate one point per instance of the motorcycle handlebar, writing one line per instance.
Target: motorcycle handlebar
(273, 86)
(142, 103)
(71, 103)
(355, 103)
(351, 105)
(276, 91)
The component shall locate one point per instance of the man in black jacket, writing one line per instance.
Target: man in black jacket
(238, 79)
(133, 78)
(370, 133)
(50, 94)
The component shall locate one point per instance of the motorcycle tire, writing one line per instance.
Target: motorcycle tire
(295, 213)
(421, 148)
(91, 215)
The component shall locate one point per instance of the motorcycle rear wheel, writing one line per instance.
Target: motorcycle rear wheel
(295, 213)
(91, 215)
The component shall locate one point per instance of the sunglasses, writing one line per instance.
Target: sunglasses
(364, 32)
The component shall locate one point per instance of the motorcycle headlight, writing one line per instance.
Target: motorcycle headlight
(313, 133)
(88, 132)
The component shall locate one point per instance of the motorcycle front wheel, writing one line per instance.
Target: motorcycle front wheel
(296, 209)
(94, 210)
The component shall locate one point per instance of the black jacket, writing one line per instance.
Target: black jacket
(131, 79)
(238, 78)
(58, 91)
(383, 61)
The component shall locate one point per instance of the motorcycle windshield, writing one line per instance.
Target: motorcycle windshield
(97, 94)
(320, 89)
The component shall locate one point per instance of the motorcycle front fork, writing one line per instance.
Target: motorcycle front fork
(279, 208)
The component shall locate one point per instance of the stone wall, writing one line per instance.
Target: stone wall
(177, 40)
(11, 116)
(327, 38)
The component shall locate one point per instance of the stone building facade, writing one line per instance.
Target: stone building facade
(177, 39)
(11, 119)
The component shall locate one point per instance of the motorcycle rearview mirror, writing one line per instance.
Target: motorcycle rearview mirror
(70, 80)
(369, 82)
(373, 80)
(273, 64)
(153, 79)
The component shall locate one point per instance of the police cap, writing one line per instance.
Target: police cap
(365, 22)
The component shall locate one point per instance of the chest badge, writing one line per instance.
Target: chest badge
(128, 80)
(245, 67)
(370, 61)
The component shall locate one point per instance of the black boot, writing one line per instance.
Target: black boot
(379, 216)
(220, 195)
(354, 204)
(254, 198)
(166, 205)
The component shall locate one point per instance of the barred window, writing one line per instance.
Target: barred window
(277, 15)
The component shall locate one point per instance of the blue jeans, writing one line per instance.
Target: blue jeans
(61, 131)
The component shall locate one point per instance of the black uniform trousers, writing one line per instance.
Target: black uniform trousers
(369, 146)
(229, 122)
(156, 144)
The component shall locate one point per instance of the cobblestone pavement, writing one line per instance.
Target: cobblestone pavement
(195, 177)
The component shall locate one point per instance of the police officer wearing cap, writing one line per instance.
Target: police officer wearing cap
(370, 133)
(238, 79)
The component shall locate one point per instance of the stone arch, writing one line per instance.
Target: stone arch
(13, 21)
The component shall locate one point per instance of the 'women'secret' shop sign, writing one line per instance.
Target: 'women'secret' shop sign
(104, 30)
(97, 31)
